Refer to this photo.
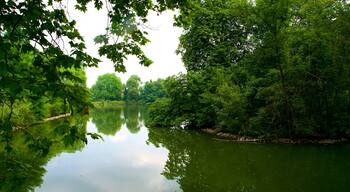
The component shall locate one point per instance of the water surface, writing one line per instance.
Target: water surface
(133, 157)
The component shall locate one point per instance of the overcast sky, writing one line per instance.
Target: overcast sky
(164, 41)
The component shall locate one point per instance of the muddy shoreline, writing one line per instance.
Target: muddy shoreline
(247, 139)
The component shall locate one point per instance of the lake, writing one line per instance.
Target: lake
(132, 157)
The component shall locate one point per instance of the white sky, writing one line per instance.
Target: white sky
(164, 41)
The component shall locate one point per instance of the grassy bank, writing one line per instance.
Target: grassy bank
(26, 113)
(106, 104)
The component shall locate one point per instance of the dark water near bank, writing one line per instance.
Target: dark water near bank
(133, 157)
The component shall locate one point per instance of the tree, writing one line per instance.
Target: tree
(132, 88)
(39, 45)
(217, 34)
(215, 39)
(107, 87)
(262, 68)
(152, 90)
(43, 56)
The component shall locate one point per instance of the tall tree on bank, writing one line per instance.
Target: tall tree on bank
(132, 88)
(107, 87)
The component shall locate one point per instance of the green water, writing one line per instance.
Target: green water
(132, 157)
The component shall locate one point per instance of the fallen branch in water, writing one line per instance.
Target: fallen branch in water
(43, 121)
(57, 117)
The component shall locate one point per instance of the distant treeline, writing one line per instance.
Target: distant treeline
(109, 87)
(262, 68)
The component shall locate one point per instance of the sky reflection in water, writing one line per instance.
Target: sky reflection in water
(135, 158)
(122, 162)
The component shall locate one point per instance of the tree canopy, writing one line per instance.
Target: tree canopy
(39, 41)
(253, 67)
(132, 88)
(43, 55)
(107, 87)
(263, 68)
(152, 90)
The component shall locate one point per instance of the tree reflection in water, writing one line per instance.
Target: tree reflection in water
(132, 117)
(108, 120)
(196, 161)
(22, 165)
(200, 163)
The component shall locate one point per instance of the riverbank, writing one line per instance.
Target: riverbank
(44, 121)
(104, 104)
(247, 139)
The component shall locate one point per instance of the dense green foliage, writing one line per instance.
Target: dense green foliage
(37, 99)
(33, 61)
(29, 94)
(272, 68)
(152, 90)
(132, 89)
(42, 54)
(107, 87)
(38, 78)
(42, 62)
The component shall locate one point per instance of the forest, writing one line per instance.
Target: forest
(259, 68)
(285, 74)
(263, 69)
